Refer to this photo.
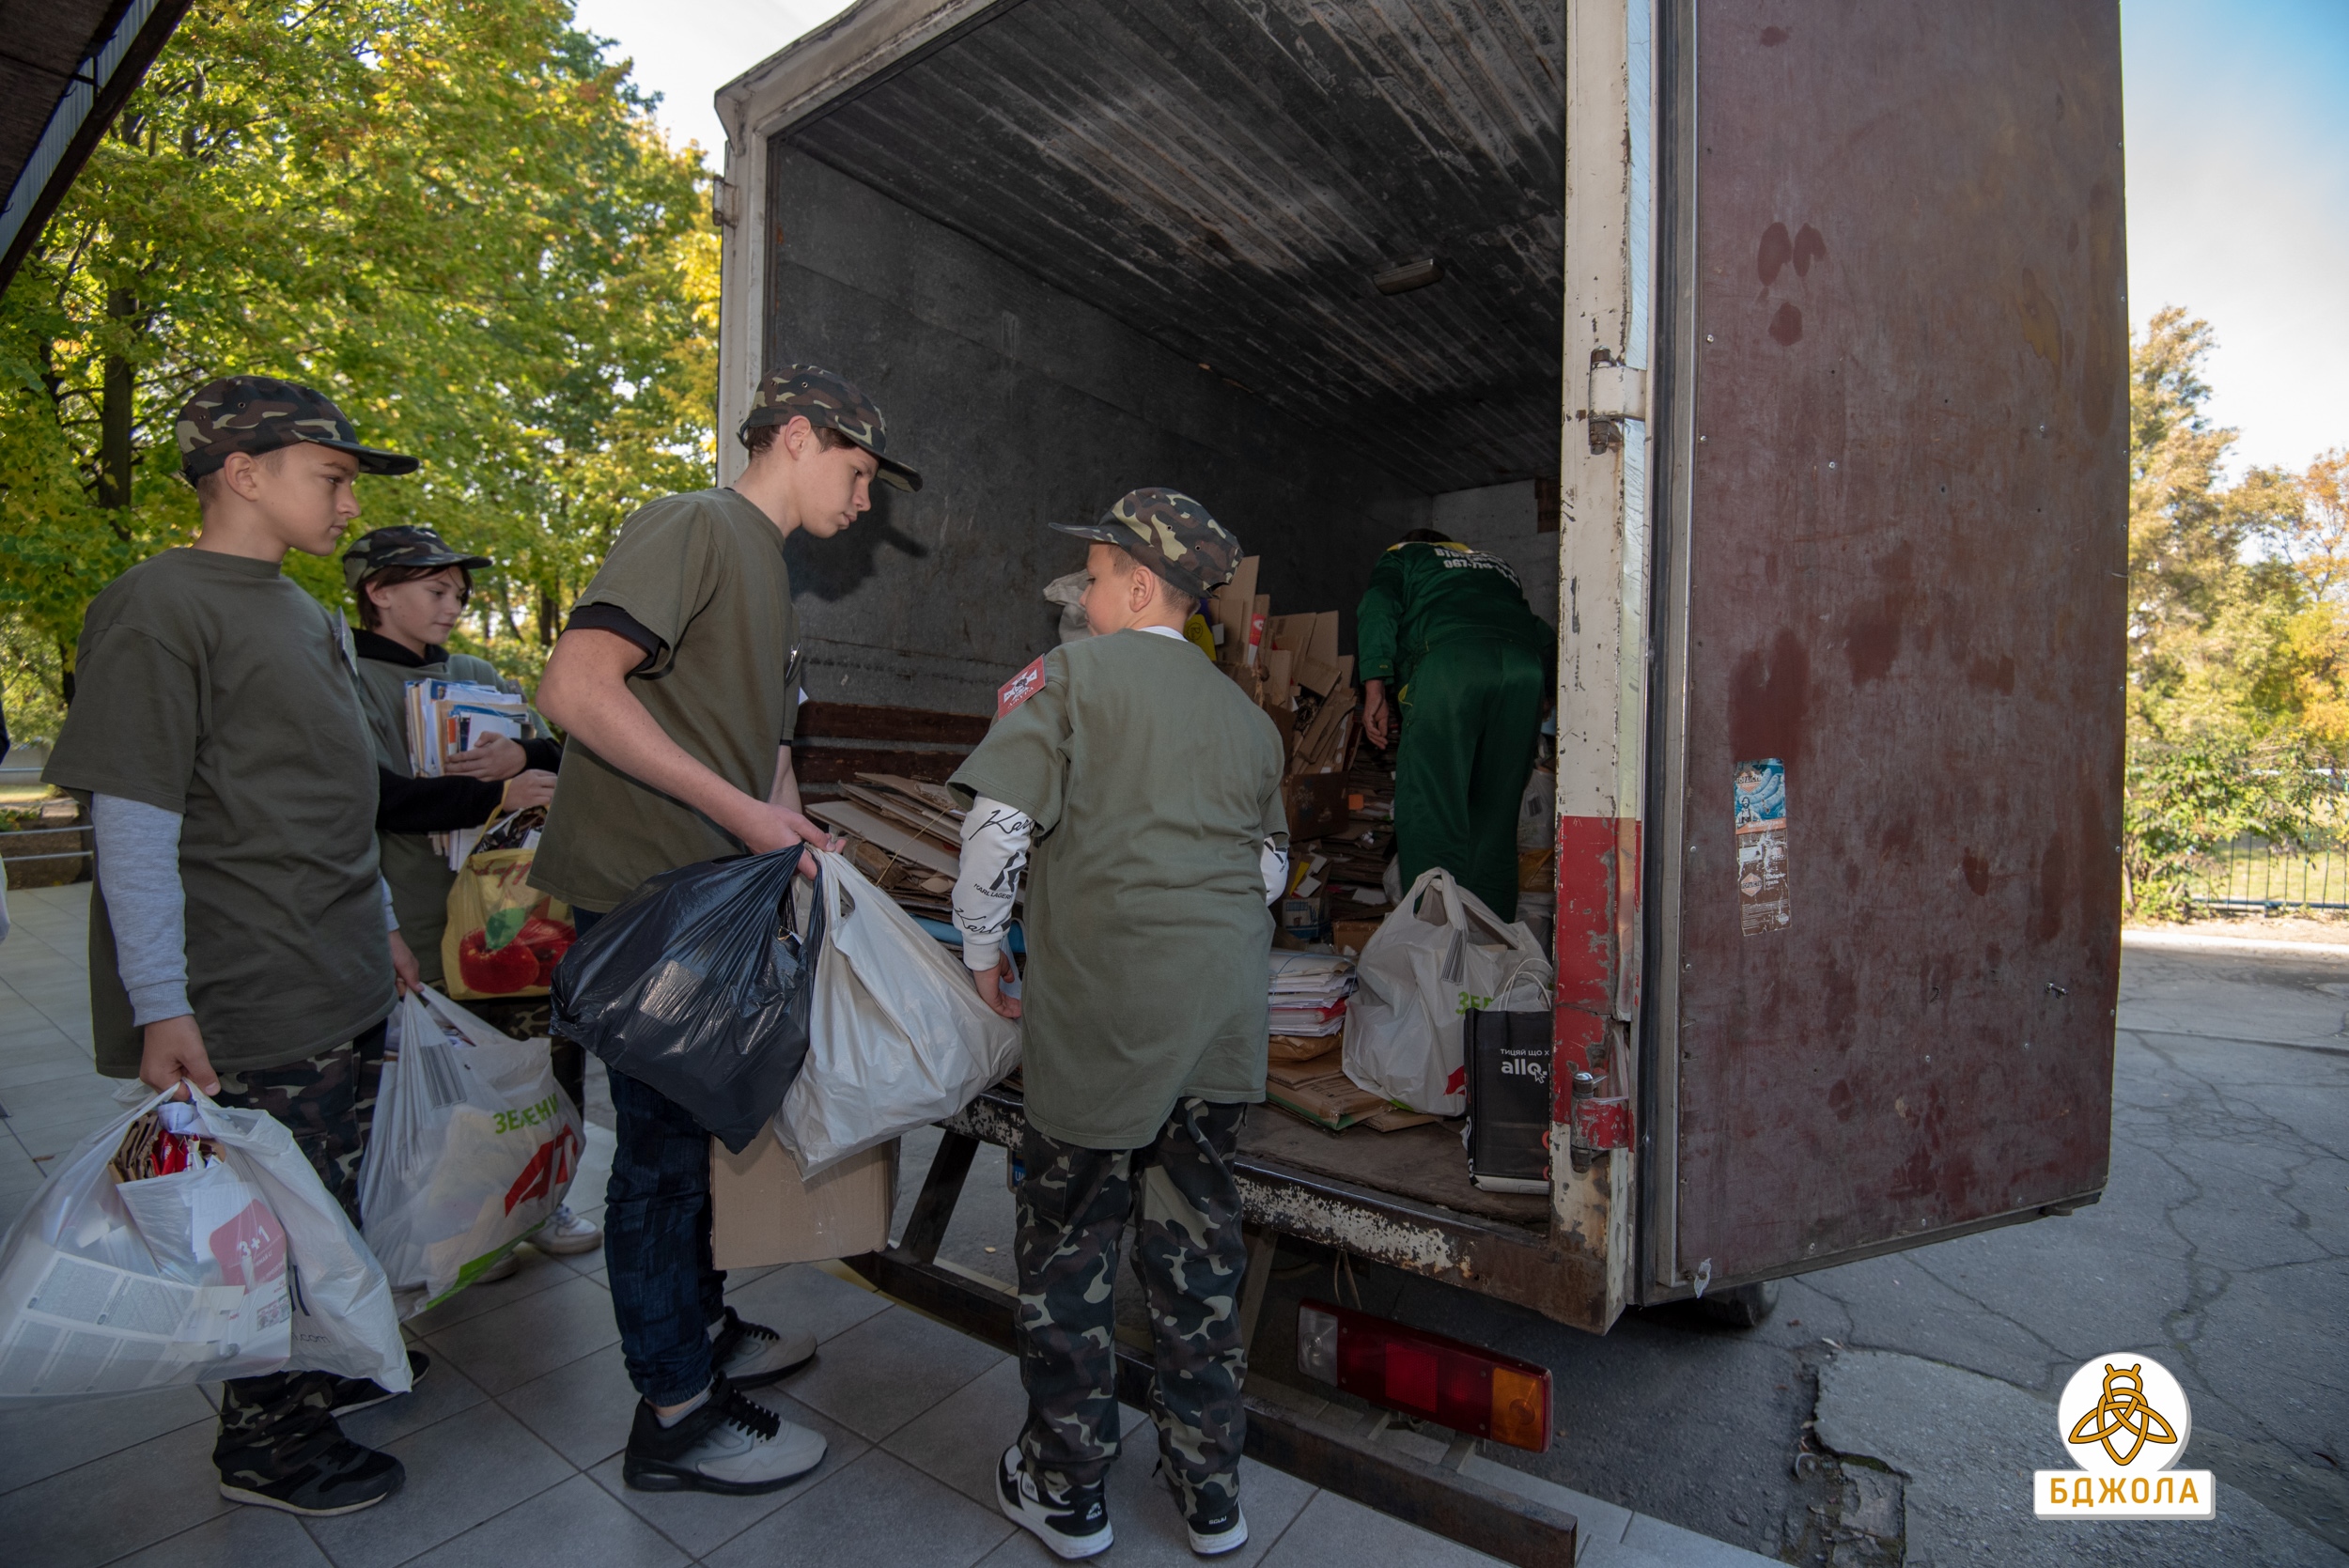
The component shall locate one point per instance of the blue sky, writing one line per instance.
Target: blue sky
(2238, 189)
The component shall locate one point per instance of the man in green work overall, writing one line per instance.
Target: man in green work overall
(1472, 666)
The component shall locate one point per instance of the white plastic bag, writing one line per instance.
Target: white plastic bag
(474, 1147)
(897, 1035)
(1441, 953)
(232, 1270)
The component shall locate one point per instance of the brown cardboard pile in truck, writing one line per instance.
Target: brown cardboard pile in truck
(1289, 666)
(905, 834)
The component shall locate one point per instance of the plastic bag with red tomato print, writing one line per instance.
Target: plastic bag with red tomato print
(505, 937)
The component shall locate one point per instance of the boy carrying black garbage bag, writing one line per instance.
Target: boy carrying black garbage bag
(1141, 791)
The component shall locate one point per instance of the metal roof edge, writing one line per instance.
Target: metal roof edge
(112, 67)
(852, 49)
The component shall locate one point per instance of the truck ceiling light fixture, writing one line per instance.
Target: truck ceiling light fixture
(1425, 1374)
(1409, 275)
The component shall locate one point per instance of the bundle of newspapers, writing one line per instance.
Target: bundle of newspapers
(447, 716)
(1307, 994)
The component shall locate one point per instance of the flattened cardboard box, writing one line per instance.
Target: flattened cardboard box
(761, 1212)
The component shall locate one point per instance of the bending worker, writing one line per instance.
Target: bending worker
(1472, 666)
(1142, 792)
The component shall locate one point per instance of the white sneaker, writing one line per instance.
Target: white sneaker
(504, 1268)
(752, 1356)
(1214, 1537)
(566, 1233)
(731, 1444)
(1075, 1524)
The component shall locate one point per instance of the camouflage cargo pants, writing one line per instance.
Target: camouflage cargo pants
(1191, 1258)
(271, 1426)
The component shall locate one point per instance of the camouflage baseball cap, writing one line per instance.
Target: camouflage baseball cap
(1170, 534)
(827, 401)
(256, 415)
(402, 546)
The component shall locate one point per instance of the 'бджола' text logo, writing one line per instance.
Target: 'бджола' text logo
(2125, 1420)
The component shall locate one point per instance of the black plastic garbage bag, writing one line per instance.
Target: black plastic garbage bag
(698, 987)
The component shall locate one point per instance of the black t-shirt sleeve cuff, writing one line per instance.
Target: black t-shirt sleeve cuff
(433, 805)
(545, 755)
(611, 618)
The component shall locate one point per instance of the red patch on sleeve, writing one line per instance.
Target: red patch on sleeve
(1019, 689)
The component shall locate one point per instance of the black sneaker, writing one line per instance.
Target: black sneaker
(329, 1475)
(363, 1394)
(1212, 1536)
(731, 1444)
(1071, 1524)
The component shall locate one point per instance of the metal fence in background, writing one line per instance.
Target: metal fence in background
(2252, 874)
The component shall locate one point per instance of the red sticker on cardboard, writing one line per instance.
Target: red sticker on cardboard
(1019, 689)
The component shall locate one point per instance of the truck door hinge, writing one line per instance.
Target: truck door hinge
(1617, 392)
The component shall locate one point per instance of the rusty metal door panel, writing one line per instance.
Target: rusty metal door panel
(1904, 539)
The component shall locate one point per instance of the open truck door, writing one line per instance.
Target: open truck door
(1859, 494)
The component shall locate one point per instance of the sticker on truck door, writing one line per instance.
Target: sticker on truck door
(1761, 811)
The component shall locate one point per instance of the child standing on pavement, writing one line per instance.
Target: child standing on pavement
(240, 933)
(1142, 791)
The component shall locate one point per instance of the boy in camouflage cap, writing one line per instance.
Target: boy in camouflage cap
(238, 930)
(1141, 791)
(677, 684)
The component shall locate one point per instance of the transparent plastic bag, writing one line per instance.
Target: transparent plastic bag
(698, 987)
(1441, 953)
(473, 1148)
(898, 1036)
(230, 1270)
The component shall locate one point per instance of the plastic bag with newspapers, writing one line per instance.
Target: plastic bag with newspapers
(184, 1242)
(504, 937)
(473, 1148)
(898, 1036)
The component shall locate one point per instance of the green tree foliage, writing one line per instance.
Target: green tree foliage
(2238, 698)
(454, 216)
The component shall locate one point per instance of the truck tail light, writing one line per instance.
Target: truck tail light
(1425, 1374)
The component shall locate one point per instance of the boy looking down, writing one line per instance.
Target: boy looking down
(1141, 791)
(239, 933)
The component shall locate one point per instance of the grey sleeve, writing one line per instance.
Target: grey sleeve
(138, 873)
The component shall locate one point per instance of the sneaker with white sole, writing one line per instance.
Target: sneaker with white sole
(1071, 1524)
(1225, 1533)
(731, 1444)
(752, 1356)
(567, 1234)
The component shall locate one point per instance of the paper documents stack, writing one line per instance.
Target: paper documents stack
(1309, 992)
(446, 716)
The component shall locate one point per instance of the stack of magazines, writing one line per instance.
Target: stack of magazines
(446, 716)
(1309, 992)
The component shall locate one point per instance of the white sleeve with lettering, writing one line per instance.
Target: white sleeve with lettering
(138, 876)
(1274, 862)
(995, 842)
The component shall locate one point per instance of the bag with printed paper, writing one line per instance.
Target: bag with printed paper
(504, 937)
(473, 1146)
(181, 1243)
(1441, 953)
(897, 1035)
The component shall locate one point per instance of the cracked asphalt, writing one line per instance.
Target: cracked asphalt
(2222, 1248)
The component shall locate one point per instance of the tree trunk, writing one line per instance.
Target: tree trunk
(547, 617)
(114, 421)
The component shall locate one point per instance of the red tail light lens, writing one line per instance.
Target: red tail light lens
(1425, 1374)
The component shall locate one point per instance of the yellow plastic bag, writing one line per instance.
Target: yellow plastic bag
(504, 937)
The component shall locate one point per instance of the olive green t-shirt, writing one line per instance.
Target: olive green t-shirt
(704, 573)
(214, 687)
(418, 874)
(1154, 784)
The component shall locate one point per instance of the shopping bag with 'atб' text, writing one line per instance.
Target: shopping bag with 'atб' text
(473, 1148)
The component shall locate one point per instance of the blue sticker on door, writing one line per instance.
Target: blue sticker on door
(1759, 803)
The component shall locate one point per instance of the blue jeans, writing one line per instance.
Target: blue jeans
(656, 1238)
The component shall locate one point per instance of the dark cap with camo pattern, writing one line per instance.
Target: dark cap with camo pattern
(1167, 531)
(256, 415)
(825, 401)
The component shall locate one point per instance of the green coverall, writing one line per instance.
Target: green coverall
(1470, 666)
